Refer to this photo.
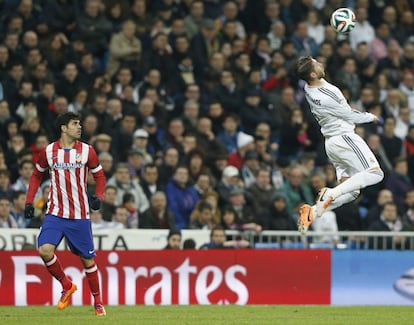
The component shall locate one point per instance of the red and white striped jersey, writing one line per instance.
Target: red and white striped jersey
(69, 169)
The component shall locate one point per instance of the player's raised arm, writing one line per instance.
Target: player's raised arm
(343, 111)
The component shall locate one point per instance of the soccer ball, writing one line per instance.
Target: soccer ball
(343, 20)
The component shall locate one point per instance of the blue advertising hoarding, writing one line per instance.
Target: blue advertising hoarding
(372, 277)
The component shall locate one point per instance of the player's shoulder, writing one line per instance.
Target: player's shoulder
(83, 144)
(331, 92)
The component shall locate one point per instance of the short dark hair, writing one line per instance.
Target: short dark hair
(64, 119)
(189, 243)
(16, 194)
(204, 205)
(304, 67)
(216, 228)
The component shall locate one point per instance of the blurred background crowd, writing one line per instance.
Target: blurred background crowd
(196, 113)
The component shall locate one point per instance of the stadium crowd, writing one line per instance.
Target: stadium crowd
(196, 113)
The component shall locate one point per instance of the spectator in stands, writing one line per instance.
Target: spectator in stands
(382, 40)
(402, 124)
(274, 216)
(203, 183)
(124, 184)
(393, 145)
(108, 205)
(245, 142)
(326, 223)
(150, 180)
(304, 44)
(140, 143)
(363, 30)
(189, 144)
(218, 240)
(102, 143)
(128, 202)
(228, 92)
(174, 239)
(196, 165)
(159, 56)
(347, 75)
(107, 163)
(191, 115)
(6, 218)
(204, 43)
(398, 181)
(70, 82)
(294, 136)
(261, 191)
(94, 27)
(246, 216)
(202, 216)
(25, 171)
(90, 126)
(250, 168)
(206, 138)
(230, 178)
(189, 243)
(124, 48)
(181, 197)
(158, 215)
(5, 187)
(389, 221)
(228, 220)
(193, 21)
(408, 214)
(122, 136)
(97, 221)
(296, 191)
(119, 219)
(174, 134)
(228, 136)
(17, 208)
(170, 162)
(254, 111)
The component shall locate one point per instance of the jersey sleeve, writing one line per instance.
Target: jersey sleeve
(40, 168)
(341, 109)
(97, 172)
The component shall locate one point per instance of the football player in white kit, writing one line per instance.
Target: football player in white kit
(355, 164)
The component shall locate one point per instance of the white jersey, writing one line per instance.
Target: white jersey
(331, 110)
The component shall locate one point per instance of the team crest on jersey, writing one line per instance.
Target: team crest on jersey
(78, 157)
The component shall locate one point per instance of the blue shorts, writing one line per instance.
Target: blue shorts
(77, 232)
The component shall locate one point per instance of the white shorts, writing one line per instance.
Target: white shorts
(349, 154)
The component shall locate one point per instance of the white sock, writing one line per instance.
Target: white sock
(342, 199)
(356, 182)
(339, 201)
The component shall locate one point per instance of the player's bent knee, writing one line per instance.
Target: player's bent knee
(371, 176)
(46, 251)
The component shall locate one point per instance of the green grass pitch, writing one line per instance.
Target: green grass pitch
(209, 315)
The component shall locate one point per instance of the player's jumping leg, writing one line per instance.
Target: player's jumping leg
(54, 267)
(354, 184)
(91, 271)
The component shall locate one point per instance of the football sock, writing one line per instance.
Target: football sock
(342, 199)
(93, 281)
(356, 182)
(55, 269)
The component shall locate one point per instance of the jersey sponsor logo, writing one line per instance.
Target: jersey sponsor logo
(67, 165)
(316, 101)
